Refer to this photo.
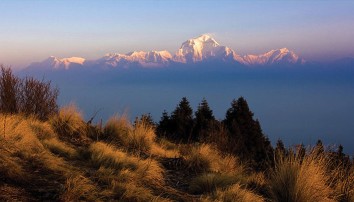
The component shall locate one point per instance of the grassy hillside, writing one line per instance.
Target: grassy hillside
(67, 159)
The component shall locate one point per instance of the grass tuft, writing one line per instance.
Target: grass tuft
(297, 178)
(69, 123)
(137, 139)
(106, 155)
(210, 182)
(79, 188)
(205, 158)
(60, 148)
(148, 171)
(10, 168)
(234, 193)
(117, 128)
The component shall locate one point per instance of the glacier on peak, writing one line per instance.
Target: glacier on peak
(202, 48)
(278, 56)
(145, 59)
(59, 63)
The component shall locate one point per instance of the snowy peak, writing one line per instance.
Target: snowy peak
(144, 59)
(206, 38)
(72, 60)
(202, 48)
(57, 63)
(279, 56)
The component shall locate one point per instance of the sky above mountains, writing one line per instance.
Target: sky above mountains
(33, 30)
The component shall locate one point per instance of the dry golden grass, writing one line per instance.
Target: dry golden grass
(103, 154)
(234, 193)
(161, 151)
(343, 183)
(137, 139)
(10, 168)
(69, 122)
(147, 170)
(22, 142)
(150, 172)
(79, 188)
(297, 179)
(115, 180)
(210, 182)
(43, 130)
(19, 136)
(60, 148)
(126, 184)
(13, 193)
(128, 168)
(141, 138)
(166, 144)
(205, 158)
(117, 128)
(132, 192)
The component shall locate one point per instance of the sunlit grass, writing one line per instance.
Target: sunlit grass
(69, 122)
(126, 165)
(203, 158)
(210, 182)
(79, 188)
(129, 178)
(234, 193)
(147, 170)
(297, 178)
(139, 138)
(60, 148)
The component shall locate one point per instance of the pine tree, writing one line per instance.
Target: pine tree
(146, 119)
(250, 144)
(204, 121)
(182, 121)
(164, 126)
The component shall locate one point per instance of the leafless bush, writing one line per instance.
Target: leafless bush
(27, 96)
(9, 91)
(37, 97)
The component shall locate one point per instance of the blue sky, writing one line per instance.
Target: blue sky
(33, 30)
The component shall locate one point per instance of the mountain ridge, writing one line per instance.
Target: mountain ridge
(195, 50)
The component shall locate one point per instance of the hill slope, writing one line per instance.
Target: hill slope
(67, 159)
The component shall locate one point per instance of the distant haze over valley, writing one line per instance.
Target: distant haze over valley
(296, 100)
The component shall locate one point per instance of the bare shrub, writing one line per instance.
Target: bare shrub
(38, 98)
(10, 88)
(28, 96)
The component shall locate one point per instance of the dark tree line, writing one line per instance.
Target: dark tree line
(27, 96)
(237, 134)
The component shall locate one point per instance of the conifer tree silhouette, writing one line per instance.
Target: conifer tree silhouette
(250, 144)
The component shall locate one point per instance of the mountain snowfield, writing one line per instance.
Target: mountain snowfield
(146, 59)
(199, 49)
(56, 63)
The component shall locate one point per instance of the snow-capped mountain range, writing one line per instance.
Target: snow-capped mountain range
(199, 49)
